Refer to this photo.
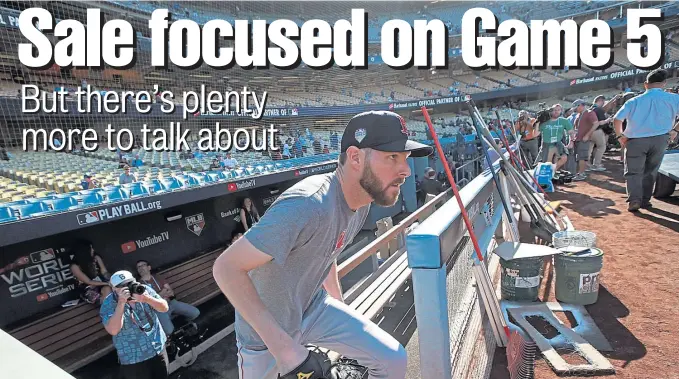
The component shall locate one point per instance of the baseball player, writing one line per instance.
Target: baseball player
(281, 277)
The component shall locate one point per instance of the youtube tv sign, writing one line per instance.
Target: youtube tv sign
(128, 247)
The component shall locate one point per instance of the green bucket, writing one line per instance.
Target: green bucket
(521, 278)
(577, 276)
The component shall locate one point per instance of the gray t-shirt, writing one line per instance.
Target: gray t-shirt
(304, 231)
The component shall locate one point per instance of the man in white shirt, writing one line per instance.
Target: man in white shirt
(230, 163)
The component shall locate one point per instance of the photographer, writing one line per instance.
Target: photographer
(529, 137)
(553, 133)
(130, 315)
(599, 139)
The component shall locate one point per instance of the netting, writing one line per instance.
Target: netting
(472, 341)
(308, 107)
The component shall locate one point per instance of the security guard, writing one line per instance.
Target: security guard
(650, 118)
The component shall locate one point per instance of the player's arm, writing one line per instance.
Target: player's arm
(332, 283)
(231, 274)
(270, 240)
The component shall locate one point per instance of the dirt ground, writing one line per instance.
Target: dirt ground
(638, 305)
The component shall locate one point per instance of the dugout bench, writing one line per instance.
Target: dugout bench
(74, 337)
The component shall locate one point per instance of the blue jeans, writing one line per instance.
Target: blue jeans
(178, 308)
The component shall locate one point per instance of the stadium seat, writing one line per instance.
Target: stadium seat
(60, 204)
(156, 186)
(136, 189)
(7, 215)
(93, 198)
(187, 180)
(172, 183)
(199, 179)
(29, 210)
(212, 177)
(117, 193)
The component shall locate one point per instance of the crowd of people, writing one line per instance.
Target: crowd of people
(575, 140)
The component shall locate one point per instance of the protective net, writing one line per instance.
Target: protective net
(472, 341)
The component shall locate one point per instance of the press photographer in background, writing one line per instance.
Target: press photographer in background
(130, 315)
(650, 126)
(600, 136)
(529, 137)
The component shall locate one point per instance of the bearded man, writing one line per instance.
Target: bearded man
(281, 277)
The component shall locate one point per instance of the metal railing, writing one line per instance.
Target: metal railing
(455, 338)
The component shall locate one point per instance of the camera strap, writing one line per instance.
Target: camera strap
(134, 316)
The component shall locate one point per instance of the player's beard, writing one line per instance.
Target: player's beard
(378, 191)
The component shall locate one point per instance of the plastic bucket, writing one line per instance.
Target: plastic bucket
(574, 238)
(521, 278)
(577, 276)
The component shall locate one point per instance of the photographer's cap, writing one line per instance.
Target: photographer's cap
(121, 277)
(381, 131)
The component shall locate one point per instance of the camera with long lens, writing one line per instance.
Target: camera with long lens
(136, 288)
(543, 115)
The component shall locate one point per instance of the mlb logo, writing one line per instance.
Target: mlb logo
(128, 247)
(88, 218)
(195, 224)
(42, 297)
(231, 187)
(295, 112)
(43, 255)
(573, 81)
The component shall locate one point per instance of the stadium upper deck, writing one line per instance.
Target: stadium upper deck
(335, 94)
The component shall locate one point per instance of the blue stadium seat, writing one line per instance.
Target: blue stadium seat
(62, 204)
(200, 179)
(251, 171)
(212, 177)
(172, 183)
(93, 198)
(29, 210)
(239, 172)
(7, 215)
(187, 180)
(136, 189)
(156, 186)
(117, 193)
(270, 167)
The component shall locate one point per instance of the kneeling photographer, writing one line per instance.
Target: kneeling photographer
(130, 315)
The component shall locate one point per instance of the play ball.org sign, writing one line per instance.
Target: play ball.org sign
(195, 223)
(116, 211)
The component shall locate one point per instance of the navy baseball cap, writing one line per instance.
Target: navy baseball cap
(381, 131)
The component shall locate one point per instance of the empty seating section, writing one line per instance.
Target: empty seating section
(620, 57)
(34, 184)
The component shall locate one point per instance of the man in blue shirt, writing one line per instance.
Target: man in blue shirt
(132, 320)
(650, 125)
